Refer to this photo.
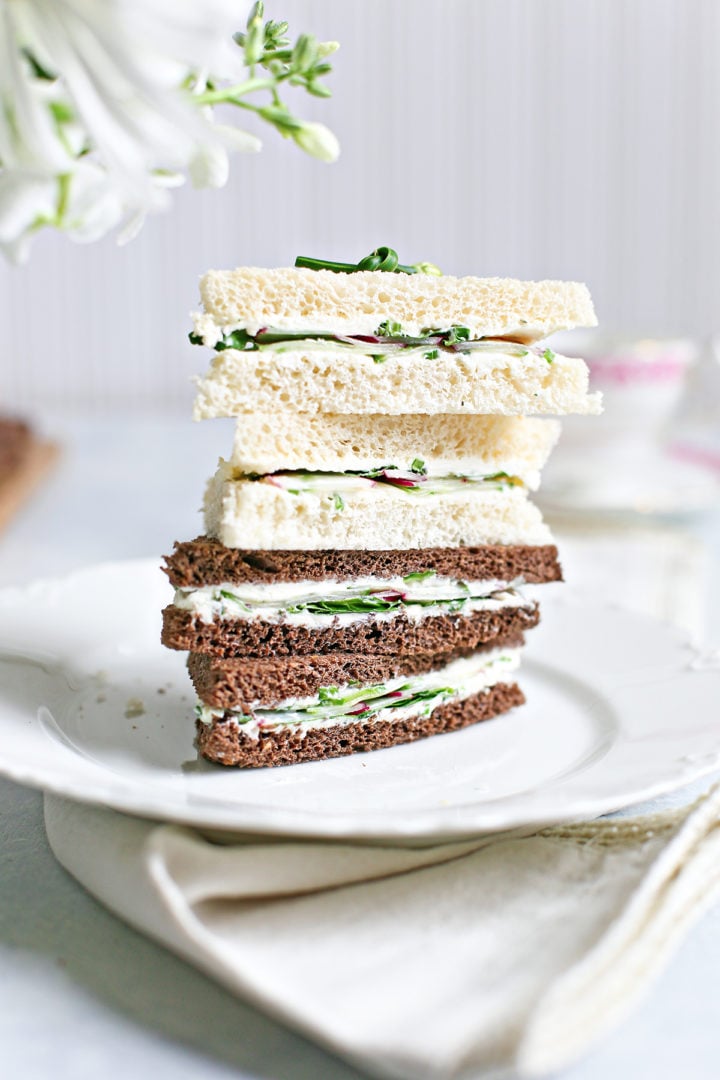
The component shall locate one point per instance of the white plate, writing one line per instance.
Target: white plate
(618, 711)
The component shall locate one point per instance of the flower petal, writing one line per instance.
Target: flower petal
(18, 251)
(237, 139)
(24, 198)
(209, 167)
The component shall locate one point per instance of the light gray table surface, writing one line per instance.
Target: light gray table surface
(81, 994)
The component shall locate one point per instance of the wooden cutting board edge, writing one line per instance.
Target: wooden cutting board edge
(17, 488)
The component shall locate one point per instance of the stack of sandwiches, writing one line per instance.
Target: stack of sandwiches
(360, 582)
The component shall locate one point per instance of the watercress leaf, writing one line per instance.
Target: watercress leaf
(389, 328)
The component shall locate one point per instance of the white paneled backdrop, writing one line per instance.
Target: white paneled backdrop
(532, 138)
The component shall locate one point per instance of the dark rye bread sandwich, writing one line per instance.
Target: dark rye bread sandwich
(233, 603)
(360, 578)
(303, 655)
(224, 741)
(242, 684)
(274, 712)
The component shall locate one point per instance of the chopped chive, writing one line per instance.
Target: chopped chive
(456, 334)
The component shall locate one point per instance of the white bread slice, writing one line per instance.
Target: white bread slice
(447, 445)
(344, 382)
(250, 514)
(296, 299)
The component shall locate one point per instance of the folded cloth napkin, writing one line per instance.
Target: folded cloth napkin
(455, 960)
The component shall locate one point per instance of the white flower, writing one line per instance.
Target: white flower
(94, 102)
(122, 63)
(84, 203)
(93, 204)
(28, 139)
(317, 140)
(104, 104)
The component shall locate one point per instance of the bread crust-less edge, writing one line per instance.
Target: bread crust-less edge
(350, 384)
(298, 299)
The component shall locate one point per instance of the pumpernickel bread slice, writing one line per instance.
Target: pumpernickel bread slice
(398, 636)
(205, 561)
(224, 742)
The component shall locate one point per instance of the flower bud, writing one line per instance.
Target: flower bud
(327, 48)
(318, 141)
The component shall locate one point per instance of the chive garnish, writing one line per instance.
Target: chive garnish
(382, 258)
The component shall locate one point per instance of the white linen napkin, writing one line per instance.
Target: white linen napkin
(458, 960)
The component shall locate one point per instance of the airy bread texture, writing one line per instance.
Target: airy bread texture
(251, 514)
(448, 445)
(342, 382)
(291, 299)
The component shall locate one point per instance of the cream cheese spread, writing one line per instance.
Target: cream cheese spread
(330, 603)
(336, 336)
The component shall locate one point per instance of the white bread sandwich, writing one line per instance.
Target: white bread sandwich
(445, 445)
(388, 508)
(360, 482)
(318, 341)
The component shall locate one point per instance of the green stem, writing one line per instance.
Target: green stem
(215, 97)
(247, 105)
